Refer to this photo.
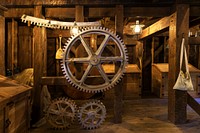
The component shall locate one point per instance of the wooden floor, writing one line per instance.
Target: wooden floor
(139, 116)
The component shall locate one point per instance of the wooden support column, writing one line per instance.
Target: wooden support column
(39, 61)
(2, 45)
(79, 17)
(118, 97)
(177, 100)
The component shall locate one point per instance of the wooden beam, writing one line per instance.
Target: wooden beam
(177, 100)
(156, 28)
(193, 104)
(79, 13)
(59, 80)
(60, 12)
(194, 41)
(97, 12)
(83, 2)
(18, 12)
(40, 59)
(2, 8)
(195, 10)
(2, 46)
(118, 97)
(147, 11)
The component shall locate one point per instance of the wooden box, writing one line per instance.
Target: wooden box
(131, 83)
(160, 79)
(15, 101)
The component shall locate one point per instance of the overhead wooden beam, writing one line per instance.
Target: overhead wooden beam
(147, 11)
(194, 40)
(61, 12)
(18, 12)
(97, 12)
(179, 27)
(156, 28)
(195, 10)
(82, 2)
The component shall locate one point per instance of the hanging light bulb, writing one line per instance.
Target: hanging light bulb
(74, 30)
(137, 28)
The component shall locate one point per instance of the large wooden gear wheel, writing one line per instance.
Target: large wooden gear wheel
(87, 70)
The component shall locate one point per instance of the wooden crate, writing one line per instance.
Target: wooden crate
(160, 79)
(131, 83)
(16, 109)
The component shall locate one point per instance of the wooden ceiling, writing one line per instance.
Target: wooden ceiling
(147, 11)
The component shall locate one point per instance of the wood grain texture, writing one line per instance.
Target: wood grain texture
(2, 45)
(179, 26)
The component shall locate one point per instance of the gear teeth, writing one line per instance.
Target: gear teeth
(94, 88)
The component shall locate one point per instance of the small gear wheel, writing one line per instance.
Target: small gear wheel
(94, 60)
(61, 113)
(92, 114)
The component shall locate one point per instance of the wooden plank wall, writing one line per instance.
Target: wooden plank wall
(25, 47)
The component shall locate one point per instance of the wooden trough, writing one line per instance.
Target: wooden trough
(160, 79)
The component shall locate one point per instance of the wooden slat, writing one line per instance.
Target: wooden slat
(158, 27)
(2, 45)
(59, 80)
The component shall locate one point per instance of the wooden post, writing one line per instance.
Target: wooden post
(179, 25)
(2, 45)
(118, 97)
(152, 50)
(79, 16)
(40, 59)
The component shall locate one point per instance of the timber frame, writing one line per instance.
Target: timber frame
(175, 19)
(178, 26)
(2, 40)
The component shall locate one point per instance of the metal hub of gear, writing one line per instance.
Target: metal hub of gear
(92, 114)
(99, 49)
(61, 113)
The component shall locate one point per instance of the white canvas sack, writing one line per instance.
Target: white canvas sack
(183, 81)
